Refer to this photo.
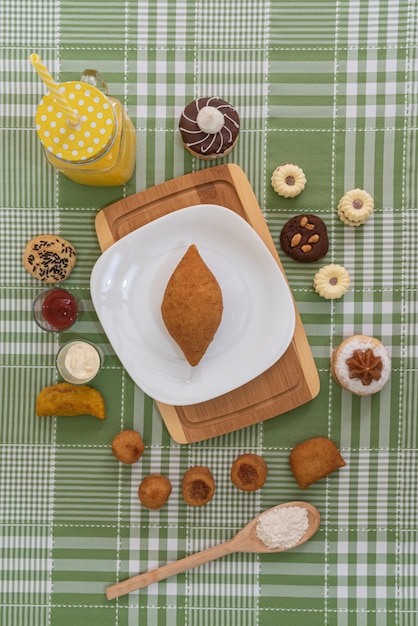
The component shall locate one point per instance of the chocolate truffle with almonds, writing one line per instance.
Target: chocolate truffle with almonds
(361, 364)
(304, 238)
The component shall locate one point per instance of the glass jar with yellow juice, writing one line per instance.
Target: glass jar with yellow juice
(97, 147)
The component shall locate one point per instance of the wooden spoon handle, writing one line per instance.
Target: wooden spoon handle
(189, 562)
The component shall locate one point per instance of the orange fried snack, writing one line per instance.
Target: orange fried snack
(192, 306)
(154, 491)
(198, 486)
(128, 446)
(249, 472)
(68, 399)
(314, 459)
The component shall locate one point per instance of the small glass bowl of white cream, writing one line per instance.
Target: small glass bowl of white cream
(79, 361)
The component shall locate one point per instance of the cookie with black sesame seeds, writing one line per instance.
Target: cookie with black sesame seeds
(49, 258)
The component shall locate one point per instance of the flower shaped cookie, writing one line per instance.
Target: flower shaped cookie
(331, 281)
(288, 180)
(355, 207)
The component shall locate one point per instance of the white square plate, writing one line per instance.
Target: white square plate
(127, 287)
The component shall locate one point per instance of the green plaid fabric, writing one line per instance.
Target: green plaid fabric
(332, 86)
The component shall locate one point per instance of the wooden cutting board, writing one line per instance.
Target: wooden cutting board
(291, 381)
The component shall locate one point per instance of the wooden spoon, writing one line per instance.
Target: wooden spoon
(245, 540)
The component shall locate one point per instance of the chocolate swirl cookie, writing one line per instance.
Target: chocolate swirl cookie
(209, 128)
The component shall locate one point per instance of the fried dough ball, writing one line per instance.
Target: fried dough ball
(198, 486)
(249, 472)
(192, 306)
(128, 446)
(154, 491)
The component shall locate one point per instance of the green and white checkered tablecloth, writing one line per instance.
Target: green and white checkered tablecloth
(332, 86)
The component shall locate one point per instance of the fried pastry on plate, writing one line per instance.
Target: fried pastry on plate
(192, 306)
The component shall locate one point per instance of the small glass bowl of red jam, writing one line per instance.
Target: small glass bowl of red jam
(55, 309)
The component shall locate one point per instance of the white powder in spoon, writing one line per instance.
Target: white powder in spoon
(282, 527)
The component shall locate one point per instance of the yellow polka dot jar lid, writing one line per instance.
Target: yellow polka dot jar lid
(90, 137)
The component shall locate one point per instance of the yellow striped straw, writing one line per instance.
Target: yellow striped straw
(53, 87)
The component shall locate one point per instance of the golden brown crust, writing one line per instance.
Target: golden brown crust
(70, 400)
(154, 491)
(192, 306)
(128, 446)
(198, 486)
(249, 472)
(314, 459)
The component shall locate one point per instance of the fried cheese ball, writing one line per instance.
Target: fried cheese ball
(128, 446)
(154, 491)
(198, 486)
(249, 472)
